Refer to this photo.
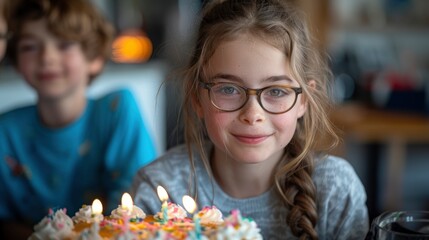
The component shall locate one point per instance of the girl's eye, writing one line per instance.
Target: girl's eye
(227, 89)
(277, 92)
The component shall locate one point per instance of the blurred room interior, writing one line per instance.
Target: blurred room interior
(379, 55)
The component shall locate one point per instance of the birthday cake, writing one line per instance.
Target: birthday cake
(172, 222)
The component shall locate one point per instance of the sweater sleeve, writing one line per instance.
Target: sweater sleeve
(341, 201)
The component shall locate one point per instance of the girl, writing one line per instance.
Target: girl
(257, 88)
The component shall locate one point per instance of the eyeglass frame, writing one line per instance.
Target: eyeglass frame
(251, 91)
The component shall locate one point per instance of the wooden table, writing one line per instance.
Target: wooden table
(375, 128)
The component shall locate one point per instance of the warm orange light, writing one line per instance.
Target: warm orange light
(132, 47)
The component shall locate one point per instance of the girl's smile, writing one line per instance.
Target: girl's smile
(248, 139)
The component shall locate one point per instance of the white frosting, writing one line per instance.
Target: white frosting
(210, 215)
(247, 230)
(91, 233)
(56, 225)
(85, 215)
(120, 212)
(237, 227)
(173, 211)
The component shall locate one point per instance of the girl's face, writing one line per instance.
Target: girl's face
(250, 134)
(54, 67)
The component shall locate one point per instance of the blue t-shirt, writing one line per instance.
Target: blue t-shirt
(94, 157)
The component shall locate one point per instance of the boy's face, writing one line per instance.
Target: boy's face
(56, 68)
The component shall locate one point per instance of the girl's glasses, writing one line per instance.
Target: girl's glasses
(230, 97)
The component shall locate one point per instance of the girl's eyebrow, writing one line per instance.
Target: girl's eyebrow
(278, 78)
(238, 79)
(226, 76)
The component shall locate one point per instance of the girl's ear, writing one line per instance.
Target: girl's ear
(303, 100)
(96, 65)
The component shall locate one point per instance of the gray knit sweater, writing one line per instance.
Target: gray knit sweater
(342, 212)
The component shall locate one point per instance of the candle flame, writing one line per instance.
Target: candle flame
(189, 204)
(127, 202)
(97, 207)
(162, 194)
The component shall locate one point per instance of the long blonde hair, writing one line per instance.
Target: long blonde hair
(277, 23)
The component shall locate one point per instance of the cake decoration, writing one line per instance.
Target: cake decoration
(87, 214)
(56, 225)
(128, 222)
(91, 233)
(191, 206)
(173, 212)
(163, 196)
(127, 208)
(237, 227)
(211, 215)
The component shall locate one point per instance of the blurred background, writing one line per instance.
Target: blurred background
(379, 55)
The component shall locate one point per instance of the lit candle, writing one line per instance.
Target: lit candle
(96, 208)
(191, 207)
(97, 214)
(163, 196)
(128, 209)
(127, 203)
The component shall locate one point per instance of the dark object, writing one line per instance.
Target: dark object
(408, 101)
(412, 225)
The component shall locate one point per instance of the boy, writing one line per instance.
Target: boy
(66, 150)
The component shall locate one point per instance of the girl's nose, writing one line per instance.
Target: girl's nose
(252, 112)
